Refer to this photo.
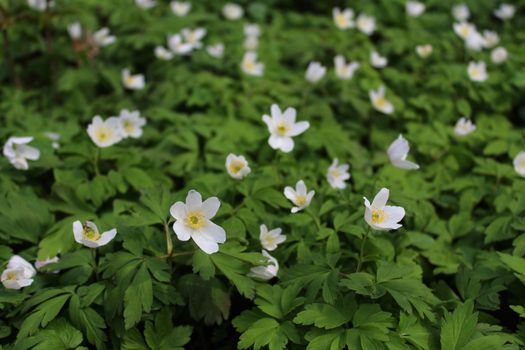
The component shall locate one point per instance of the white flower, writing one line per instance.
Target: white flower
(477, 71)
(490, 38)
(53, 136)
(424, 51)
(105, 133)
(464, 29)
(366, 24)
(194, 37)
(252, 30)
(180, 8)
(40, 5)
(271, 239)
(145, 4)
(41, 263)
(505, 11)
(300, 197)
(216, 50)
(380, 216)
(232, 11)
(18, 274)
(237, 166)
(344, 70)
(250, 66)
(268, 272)
(282, 127)
(464, 127)
(499, 55)
(343, 19)
(102, 37)
(89, 236)
(398, 152)
(192, 220)
(17, 151)
(460, 12)
(131, 123)
(380, 103)
(377, 60)
(74, 30)
(177, 46)
(475, 41)
(315, 72)
(132, 81)
(163, 54)
(414, 8)
(251, 43)
(337, 174)
(519, 164)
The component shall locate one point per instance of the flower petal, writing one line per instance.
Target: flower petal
(182, 231)
(210, 207)
(178, 210)
(381, 198)
(193, 201)
(205, 243)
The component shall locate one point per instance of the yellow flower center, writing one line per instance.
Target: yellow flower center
(341, 20)
(269, 240)
(130, 80)
(522, 164)
(335, 173)
(195, 219)
(475, 72)
(380, 102)
(91, 234)
(378, 216)
(300, 200)
(249, 65)
(282, 128)
(129, 127)
(11, 276)
(236, 166)
(103, 134)
(464, 31)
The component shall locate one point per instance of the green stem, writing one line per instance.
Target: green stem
(314, 218)
(95, 161)
(362, 251)
(169, 242)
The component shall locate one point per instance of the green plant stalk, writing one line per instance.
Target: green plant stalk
(169, 241)
(362, 251)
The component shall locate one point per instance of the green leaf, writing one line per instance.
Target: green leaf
(138, 297)
(458, 327)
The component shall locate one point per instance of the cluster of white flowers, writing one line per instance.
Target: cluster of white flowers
(249, 64)
(344, 19)
(19, 273)
(41, 5)
(105, 133)
(182, 43)
(180, 8)
(18, 152)
(99, 38)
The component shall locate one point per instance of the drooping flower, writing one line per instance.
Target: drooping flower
(499, 55)
(268, 272)
(162, 53)
(237, 166)
(477, 71)
(414, 8)
(105, 133)
(216, 50)
(344, 70)
(282, 127)
(193, 220)
(232, 11)
(132, 81)
(19, 273)
(380, 216)
(41, 5)
(343, 19)
(380, 103)
(315, 72)
(75, 30)
(337, 174)
(194, 37)
(271, 239)
(180, 8)
(88, 235)
(131, 123)
(398, 152)
(519, 164)
(145, 4)
(18, 152)
(424, 51)
(505, 11)
(102, 37)
(464, 127)
(250, 66)
(178, 46)
(461, 12)
(377, 60)
(299, 196)
(366, 24)
(41, 263)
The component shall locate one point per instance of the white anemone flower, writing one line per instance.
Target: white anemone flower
(88, 235)
(505, 11)
(237, 166)
(268, 272)
(19, 273)
(414, 8)
(180, 8)
(216, 50)
(18, 152)
(499, 55)
(490, 38)
(519, 164)
(379, 102)
(464, 29)
(299, 196)
(40, 5)
(282, 127)
(366, 24)
(163, 54)
(344, 70)
(193, 220)
(105, 133)
(424, 51)
(270, 239)
(250, 66)
(194, 37)
(398, 152)
(232, 11)
(464, 127)
(54, 137)
(477, 71)
(343, 19)
(178, 46)
(337, 174)
(475, 41)
(382, 217)
(315, 72)
(145, 4)
(460, 12)
(252, 30)
(377, 60)
(251, 43)
(103, 38)
(75, 30)
(41, 263)
(133, 81)
(131, 123)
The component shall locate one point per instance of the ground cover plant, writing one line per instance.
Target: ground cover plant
(262, 174)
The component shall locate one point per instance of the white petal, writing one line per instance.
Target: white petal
(210, 207)
(78, 231)
(182, 231)
(193, 201)
(215, 232)
(106, 237)
(381, 198)
(300, 187)
(289, 193)
(289, 115)
(394, 213)
(205, 243)
(299, 128)
(276, 111)
(405, 164)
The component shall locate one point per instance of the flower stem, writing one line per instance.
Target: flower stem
(314, 218)
(362, 251)
(95, 162)
(169, 242)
